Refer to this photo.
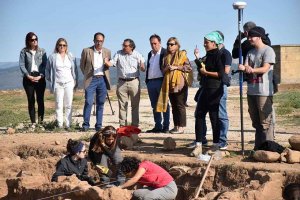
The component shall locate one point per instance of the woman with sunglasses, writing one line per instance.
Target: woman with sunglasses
(32, 63)
(175, 65)
(73, 163)
(105, 155)
(61, 72)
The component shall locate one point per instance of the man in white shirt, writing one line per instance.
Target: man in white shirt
(154, 80)
(129, 62)
(96, 79)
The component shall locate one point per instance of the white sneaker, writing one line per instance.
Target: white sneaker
(223, 147)
(197, 151)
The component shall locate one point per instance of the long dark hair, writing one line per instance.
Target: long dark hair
(108, 131)
(28, 39)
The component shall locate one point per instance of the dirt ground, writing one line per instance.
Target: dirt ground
(37, 153)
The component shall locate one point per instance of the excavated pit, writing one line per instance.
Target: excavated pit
(223, 181)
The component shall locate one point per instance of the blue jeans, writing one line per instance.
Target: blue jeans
(154, 87)
(97, 85)
(223, 118)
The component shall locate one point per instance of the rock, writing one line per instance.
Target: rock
(283, 156)
(135, 138)
(292, 156)
(266, 156)
(10, 131)
(126, 142)
(169, 144)
(57, 142)
(295, 142)
(178, 171)
(230, 196)
(211, 195)
(271, 190)
(254, 184)
(20, 126)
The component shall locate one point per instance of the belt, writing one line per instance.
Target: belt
(128, 79)
(153, 79)
(98, 76)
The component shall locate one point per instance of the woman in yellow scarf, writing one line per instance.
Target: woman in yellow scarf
(175, 65)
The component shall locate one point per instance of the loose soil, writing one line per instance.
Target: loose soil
(34, 155)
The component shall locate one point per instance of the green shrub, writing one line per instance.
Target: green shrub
(12, 118)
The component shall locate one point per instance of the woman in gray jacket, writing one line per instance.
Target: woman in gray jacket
(32, 63)
(61, 72)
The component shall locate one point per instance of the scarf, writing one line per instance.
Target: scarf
(171, 79)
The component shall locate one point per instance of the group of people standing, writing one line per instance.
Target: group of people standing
(166, 80)
(61, 71)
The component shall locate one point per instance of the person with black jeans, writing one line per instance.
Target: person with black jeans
(32, 62)
(212, 91)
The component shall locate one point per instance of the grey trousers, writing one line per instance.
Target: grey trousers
(167, 192)
(126, 90)
(105, 161)
(260, 110)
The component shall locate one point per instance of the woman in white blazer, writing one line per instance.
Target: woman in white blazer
(61, 72)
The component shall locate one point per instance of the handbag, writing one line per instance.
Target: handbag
(189, 78)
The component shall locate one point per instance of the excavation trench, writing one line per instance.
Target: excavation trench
(223, 181)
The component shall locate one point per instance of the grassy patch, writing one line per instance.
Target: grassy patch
(288, 107)
(287, 102)
(12, 117)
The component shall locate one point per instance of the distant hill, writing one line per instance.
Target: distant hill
(11, 77)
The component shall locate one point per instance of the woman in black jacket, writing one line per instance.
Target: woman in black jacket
(74, 163)
(32, 62)
(212, 72)
(105, 155)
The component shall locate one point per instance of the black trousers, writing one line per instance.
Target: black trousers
(39, 90)
(178, 107)
(209, 101)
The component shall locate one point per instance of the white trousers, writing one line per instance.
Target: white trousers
(63, 100)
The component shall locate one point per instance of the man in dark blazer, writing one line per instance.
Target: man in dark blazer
(154, 80)
(96, 79)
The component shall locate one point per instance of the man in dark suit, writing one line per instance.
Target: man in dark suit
(96, 79)
(154, 80)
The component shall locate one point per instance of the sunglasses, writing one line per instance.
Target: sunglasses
(98, 41)
(171, 44)
(82, 151)
(34, 39)
(62, 45)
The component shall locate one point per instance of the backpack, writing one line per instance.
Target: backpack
(271, 146)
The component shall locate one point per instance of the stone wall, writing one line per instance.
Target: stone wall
(287, 63)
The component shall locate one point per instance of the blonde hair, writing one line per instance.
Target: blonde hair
(176, 41)
(57, 44)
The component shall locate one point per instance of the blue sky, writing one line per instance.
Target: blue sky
(189, 21)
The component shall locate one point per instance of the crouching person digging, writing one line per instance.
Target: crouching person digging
(160, 185)
(105, 155)
(73, 163)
